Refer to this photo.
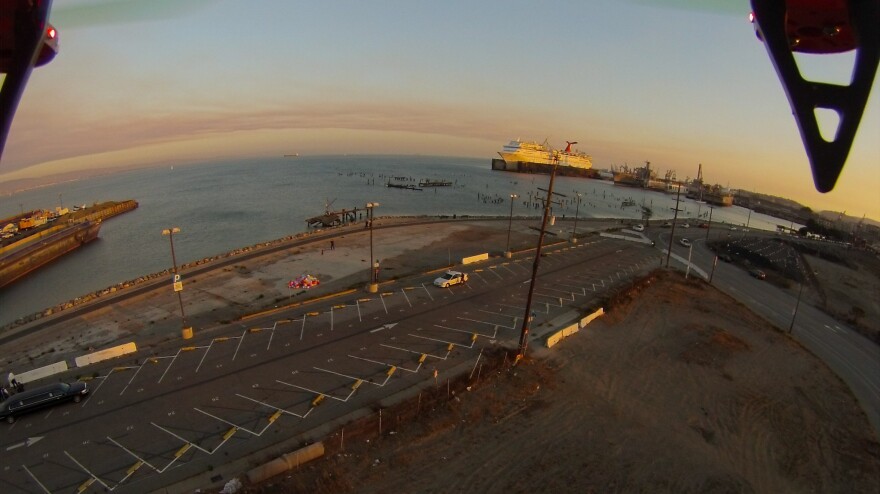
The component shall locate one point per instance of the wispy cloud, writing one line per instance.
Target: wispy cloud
(70, 137)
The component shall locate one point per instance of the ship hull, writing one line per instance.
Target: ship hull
(20, 262)
(543, 169)
(564, 160)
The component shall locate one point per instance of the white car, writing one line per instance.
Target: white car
(685, 242)
(450, 278)
(685, 225)
(639, 228)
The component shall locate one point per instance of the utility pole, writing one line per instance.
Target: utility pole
(527, 319)
(674, 219)
(576, 210)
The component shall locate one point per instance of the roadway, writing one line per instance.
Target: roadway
(269, 385)
(854, 358)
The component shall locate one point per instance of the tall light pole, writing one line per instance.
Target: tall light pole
(373, 287)
(507, 253)
(186, 332)
(577, 208)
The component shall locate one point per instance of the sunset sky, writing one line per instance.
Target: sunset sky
(673, 82)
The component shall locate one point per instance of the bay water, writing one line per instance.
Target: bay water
(222, 206)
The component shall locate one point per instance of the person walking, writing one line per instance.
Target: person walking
(332, 245)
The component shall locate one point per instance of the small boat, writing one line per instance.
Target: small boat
(402, 186)
(434, 183)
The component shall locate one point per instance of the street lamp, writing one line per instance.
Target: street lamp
(507, 253)
(577, 208)
(373, 287)
(709, 225)
(187, 331)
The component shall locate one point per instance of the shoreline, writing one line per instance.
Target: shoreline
(7, 329)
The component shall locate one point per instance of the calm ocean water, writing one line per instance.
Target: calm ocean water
(223, 206)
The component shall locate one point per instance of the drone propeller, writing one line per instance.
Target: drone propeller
(822, 27)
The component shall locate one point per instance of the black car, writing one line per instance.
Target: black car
(40, 397)
(757, 273)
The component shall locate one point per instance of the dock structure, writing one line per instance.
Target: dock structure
(334, 218)
(35, 244)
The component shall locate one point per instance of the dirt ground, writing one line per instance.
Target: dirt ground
(678, 389)
(849, 293)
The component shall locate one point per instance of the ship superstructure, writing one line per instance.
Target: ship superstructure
(532, 157)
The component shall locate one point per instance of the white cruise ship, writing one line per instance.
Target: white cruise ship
(520, 152)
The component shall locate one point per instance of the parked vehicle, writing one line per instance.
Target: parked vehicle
(450, 278)
(41, 397)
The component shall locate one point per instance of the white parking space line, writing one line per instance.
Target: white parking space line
(498, 313)
(258, 434)
(390, 366)
(47, 491)
(492, 336)
(145, 462)
(566, 292)
(215, 340)
(353, 378)
(477, 272)
(583, 291)
(429, 293)
(240, 341)
(505, 266)
(191, 444)
(318, 392)
(274, 407)
(147, 361)
(104, 380)
(493, 269)
(405, 296)
(94, 477)
(554, 297)
(473, 340)
(448, 351)
(489, 323)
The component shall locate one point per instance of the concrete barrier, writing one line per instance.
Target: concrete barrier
(476, 258)
(562, 334)
(589, 318)
(40, 373)
(105, 354)
(285, 462)
(554, 339)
